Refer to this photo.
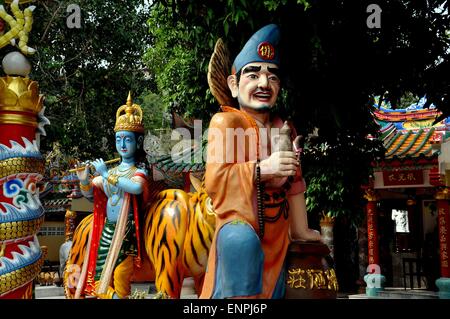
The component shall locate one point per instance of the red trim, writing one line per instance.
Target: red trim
(14, 132)
(100, 201)
(137, 260)
(24, 292)
(406, 162)
(402, 116)
(140, 175)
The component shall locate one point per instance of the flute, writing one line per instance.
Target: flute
(83, 167)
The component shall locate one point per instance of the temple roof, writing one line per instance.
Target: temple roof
(56, 205)
(190, 159)
(410, 132)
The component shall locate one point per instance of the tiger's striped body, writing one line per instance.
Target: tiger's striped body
(74, 263)
(178, 230)
(178, 234)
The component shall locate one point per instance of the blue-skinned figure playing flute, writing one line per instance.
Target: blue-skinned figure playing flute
(114, 246)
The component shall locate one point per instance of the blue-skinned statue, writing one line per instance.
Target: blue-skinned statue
(114, 247)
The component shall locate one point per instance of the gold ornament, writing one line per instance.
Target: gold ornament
(442, 193)
(10, 232)
(131, 120)
(85, 188)
(113, 179)
(21, 165)
(20, 277)
(20, 94)
(371, 195)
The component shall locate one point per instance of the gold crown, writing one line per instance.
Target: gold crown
(20, 101)
(131, 120)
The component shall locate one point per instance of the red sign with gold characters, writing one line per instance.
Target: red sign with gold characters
(266, 51)
(372, 233)
(412, 177)
(443, 221)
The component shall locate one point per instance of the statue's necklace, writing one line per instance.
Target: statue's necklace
(116, 193)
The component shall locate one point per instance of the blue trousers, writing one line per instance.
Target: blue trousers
(240, 263)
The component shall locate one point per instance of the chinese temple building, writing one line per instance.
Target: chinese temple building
(407, 200)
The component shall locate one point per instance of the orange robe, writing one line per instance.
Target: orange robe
(232, 189)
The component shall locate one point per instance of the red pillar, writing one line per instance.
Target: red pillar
(21, 168)
(372, 227)
(442, 196)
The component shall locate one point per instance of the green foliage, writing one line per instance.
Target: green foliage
(156, 117)
(335, 171)
(183, 40)
(85, 74)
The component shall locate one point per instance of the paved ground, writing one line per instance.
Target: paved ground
(54, 292)
(187, 292)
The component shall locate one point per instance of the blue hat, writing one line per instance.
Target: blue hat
(262, 47)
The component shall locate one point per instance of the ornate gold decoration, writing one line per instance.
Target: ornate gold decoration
(20, 95)
(312, 279)
(131, 120)
(371, 195)
(70, 223)
(442, 193)
(85, 188)
(70, 214)
(19, 277)
(113, 179)
(19, 229)
(21, 165)
(19, 119)
(20, 27)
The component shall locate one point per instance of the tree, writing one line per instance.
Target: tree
(86, 73)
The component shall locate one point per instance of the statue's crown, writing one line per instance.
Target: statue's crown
(20, 94)
(131, 120)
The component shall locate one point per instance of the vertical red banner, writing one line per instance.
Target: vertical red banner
(372, 233)
(443, 223)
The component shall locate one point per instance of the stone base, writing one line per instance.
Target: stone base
(444, 287)
(48, 292)
(375, 284)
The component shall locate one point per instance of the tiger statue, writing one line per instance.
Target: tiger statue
(177, 233)
(74, 262)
